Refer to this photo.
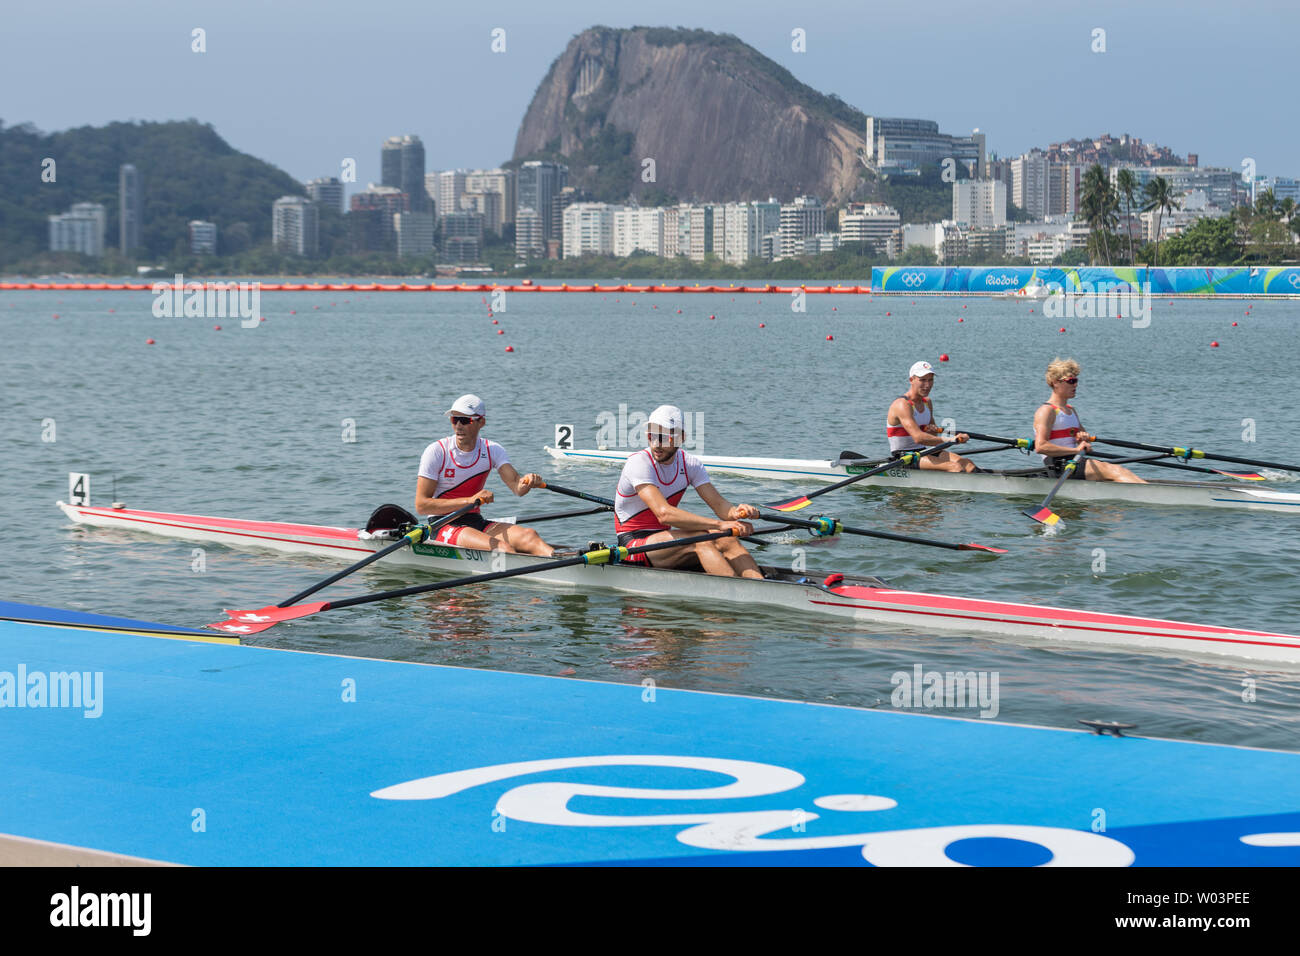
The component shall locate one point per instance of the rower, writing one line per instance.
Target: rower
(1059, 435)
(453, 472)
(646, 505)
(910, 425)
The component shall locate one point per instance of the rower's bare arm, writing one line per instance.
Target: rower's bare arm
(1044, 418)
(427, 504)
(902, 410)
(672, 517)
(723, 508)
(519, 484)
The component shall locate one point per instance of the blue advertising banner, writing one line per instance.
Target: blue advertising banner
(1180, 280)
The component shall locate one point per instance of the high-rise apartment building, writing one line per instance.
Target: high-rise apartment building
(529, 238)
(1029, 183)
(414, 234)
(638, 230)
(371, 225)
(589, 229)
(295, 226)
(402, 166)
(804, 217)
(326, 192)
(536, 184)
(981, 204)
(462, 236)
(897, 143)
(489, 182)
(130, 208)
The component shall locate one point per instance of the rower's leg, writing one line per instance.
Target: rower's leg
(738, 556)
(946, 461)
(1105, 471)
(712, 560)
(519, 538)
(479, 541)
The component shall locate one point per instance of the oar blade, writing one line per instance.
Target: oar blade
(1242, 475)
(794, 504)
(972, 546)
(256, 621)
(1044, 516)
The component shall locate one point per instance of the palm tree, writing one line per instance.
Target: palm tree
(1159, 196)
(1266, 205)
(1126, 185)
(1097, 205)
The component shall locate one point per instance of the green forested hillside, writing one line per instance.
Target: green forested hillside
(186, 170)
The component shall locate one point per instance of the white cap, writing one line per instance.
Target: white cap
(470, 405)
(920, 370)
(670, 417)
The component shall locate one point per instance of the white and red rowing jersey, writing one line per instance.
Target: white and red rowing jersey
(672, 480)
(1064, 427)
(899, 439)
(460, 474)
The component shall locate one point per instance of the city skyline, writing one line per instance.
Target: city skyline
(1001, 64)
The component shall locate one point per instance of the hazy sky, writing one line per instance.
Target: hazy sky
(304, 84)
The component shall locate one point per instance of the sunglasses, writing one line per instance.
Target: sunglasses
(461, 420)
(657, 438)
(1071, 381)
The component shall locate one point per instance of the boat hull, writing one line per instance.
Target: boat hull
(855, 599)
(1205, 494)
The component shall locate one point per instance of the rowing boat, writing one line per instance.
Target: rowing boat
(1029, 482)
(856, 598)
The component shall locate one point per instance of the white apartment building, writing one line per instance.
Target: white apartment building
(295, 226)
(873, 223)
(80, 229)
(981, 204)
(589, 229)
(529, 237)
(638, 230)
(804, 217)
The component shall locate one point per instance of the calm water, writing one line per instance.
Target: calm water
(251, 422)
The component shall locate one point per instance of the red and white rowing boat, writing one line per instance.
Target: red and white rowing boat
(846, 596)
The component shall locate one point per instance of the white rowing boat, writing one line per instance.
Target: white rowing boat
(854, 598)
(1028, 482)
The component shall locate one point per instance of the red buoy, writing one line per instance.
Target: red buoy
(713, 317)
(1214, 345)
(830, 338)
(501, 331)
(510, 348)
(762, 325)
(961, 320)
(943, 357)
(1234, 323)
(216, 328)
(148, 342)
(889, 313)
(1062, 328)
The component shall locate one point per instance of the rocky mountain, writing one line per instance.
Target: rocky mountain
(720, 120)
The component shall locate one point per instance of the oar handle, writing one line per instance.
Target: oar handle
(561, 490)
(907, 458)
(1013, 442)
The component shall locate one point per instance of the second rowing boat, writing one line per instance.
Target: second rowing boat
(1029, 482)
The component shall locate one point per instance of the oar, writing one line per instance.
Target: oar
(1152, 460)
(855, 460)
(1011, 442)
(534, 519)
(1045, 514)
(903, 460)
(560, 490)
(251, 622)
(414, 536)
(826, 527)
(1185, 453)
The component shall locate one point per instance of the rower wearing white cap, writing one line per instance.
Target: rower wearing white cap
(910, 425)
(453, 472)
(646, 504)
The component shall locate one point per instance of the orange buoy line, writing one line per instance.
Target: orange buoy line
(432, 287)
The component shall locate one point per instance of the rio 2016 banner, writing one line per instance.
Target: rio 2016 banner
(1180, 280)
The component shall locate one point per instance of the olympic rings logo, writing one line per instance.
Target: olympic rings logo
(1294, 279)
(912, 279)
